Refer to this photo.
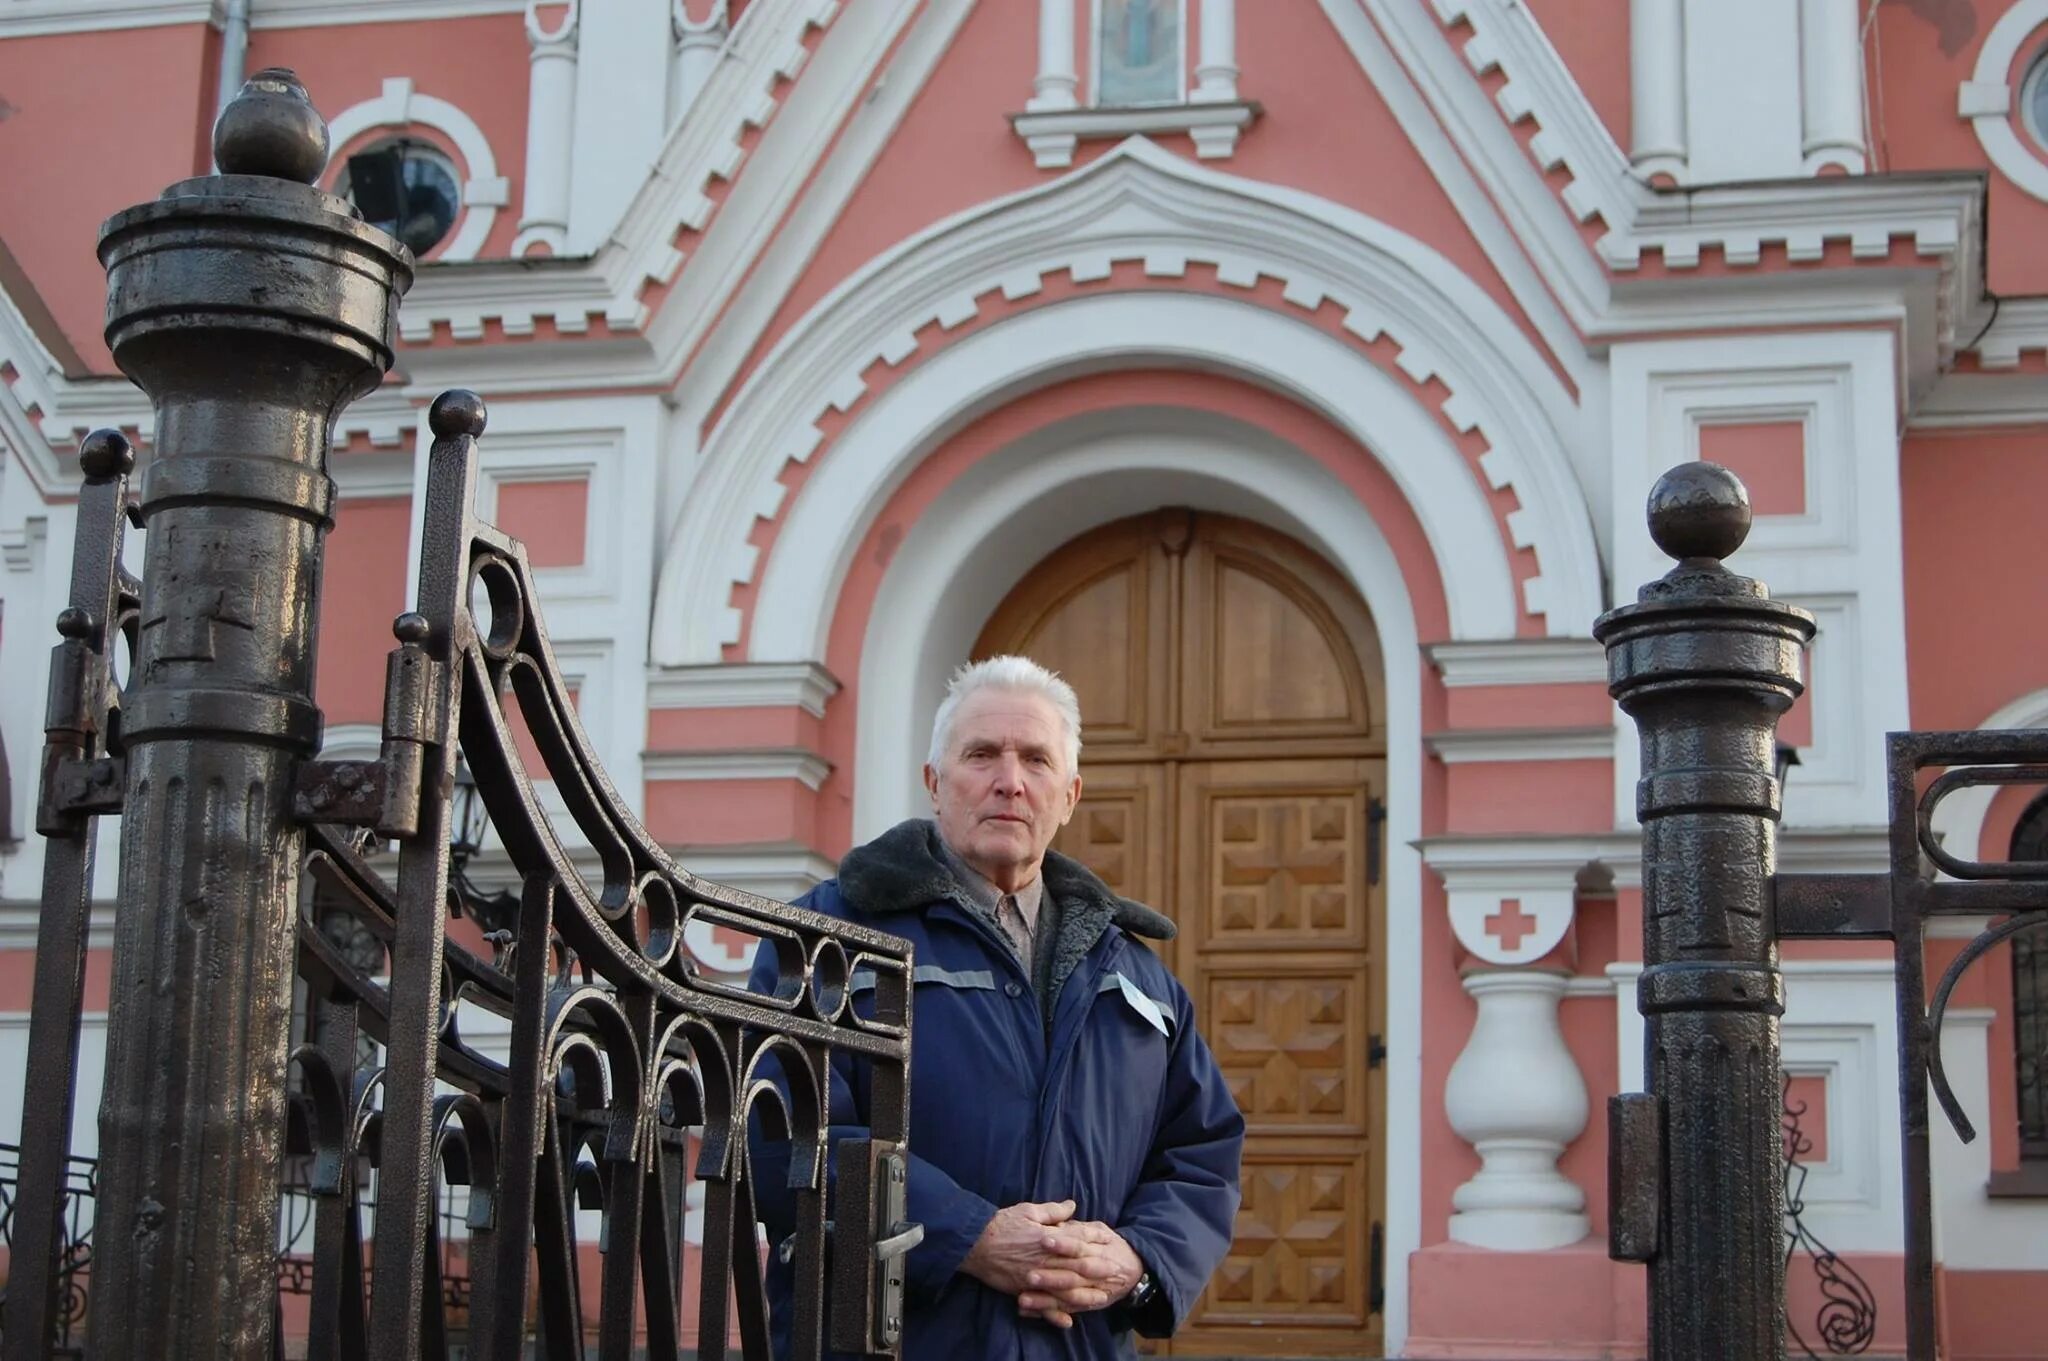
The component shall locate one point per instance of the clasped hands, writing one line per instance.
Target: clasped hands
(1056, 1266)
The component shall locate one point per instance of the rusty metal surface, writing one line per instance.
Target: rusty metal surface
(251, 308)
(81, 722)
(1706, 663)
(1635, 1175)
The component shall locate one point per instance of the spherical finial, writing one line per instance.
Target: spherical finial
(458, 411)
(271, 128)
(105, 455)
(75, 624)
(1699, 510)
(411, 627)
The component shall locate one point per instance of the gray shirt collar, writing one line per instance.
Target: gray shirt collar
(987, 896)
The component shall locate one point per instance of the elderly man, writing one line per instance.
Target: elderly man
(1074, 1146)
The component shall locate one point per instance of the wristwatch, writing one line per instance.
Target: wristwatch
(1143, 1292)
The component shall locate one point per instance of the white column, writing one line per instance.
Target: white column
(550, 130)
(698, 43)
(1656, 58)
(1831, 85)
(1057, 85)
(1216, 73)
(1517, 1097)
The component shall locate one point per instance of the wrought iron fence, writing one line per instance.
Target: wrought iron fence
(252, 308)
(75, 1193)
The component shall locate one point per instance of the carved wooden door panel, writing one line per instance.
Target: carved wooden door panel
(1279, 930)
(1234, 755)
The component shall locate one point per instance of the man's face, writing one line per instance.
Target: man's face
(1003, 790)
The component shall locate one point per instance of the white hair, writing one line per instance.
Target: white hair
(1019, 675)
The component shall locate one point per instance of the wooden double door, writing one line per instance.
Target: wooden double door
(1233, 765)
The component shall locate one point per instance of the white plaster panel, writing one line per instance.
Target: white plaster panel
(1844, 554)
(1485, 920)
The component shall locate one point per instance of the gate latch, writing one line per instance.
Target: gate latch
(868, 1272)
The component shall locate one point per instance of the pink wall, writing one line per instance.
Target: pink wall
(94, 123)
(550, 518)
(1972, 533)
(362, 589)
(1325, 129)
(1920, 53)
(1593, 41)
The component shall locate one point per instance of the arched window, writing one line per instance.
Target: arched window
(2030, 996)
(1139, 57)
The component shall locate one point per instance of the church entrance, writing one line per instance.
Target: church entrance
(1235, 758)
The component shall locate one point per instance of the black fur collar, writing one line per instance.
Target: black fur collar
(901, 871)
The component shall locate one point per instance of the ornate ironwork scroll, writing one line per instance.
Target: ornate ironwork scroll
(1927, 881)
(1847, 1322)
(623, 1055)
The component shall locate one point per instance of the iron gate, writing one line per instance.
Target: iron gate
(252, 308)
(1706, 663)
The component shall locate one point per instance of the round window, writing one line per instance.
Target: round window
(406, 187)
(2034, 101)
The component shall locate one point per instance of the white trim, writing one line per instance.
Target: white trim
(800, 586)
(41, 18)
(1958, 820)
(805, 685)
(1941, 212)
(1140, 202)
(1521, 744)
(309, 13)
(1519, 661)
(709, 143)
(1991, 81)
(360, 476)
(484, 190)
(1053, 135)
(1589, 985)
(755, 300)
(1979, 401)
(19, 923)
(946, 576)
(2020, 326)
(757, 763)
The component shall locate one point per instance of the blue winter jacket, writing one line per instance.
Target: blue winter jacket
(1121, 1107)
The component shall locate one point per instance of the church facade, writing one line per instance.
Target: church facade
(1290, 375)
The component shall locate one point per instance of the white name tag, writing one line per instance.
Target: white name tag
(1144, 1006)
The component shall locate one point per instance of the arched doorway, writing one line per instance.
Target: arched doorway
(1230, 685)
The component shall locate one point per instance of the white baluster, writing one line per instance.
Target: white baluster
(550, 129)
(1517, 1097)
(1831, 85)
(1057, 86)
(1216, 73)
(698, 43)
(1656, 56)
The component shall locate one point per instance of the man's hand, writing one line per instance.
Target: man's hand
(1095, 1268)
(1015, 1243)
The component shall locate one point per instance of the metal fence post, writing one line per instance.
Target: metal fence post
(251, 307)
(1706, 663)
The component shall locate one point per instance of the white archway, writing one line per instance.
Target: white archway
(951, 570)
(1142, 204)
(800, 586)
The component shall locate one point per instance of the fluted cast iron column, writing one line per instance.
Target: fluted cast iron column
(1706, 663)
(252, 308)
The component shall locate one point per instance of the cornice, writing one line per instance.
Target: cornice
(753, 763)
(40, 18)
(1940, 214)
(1521, 744)
(1519, 661)
(806, 685)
